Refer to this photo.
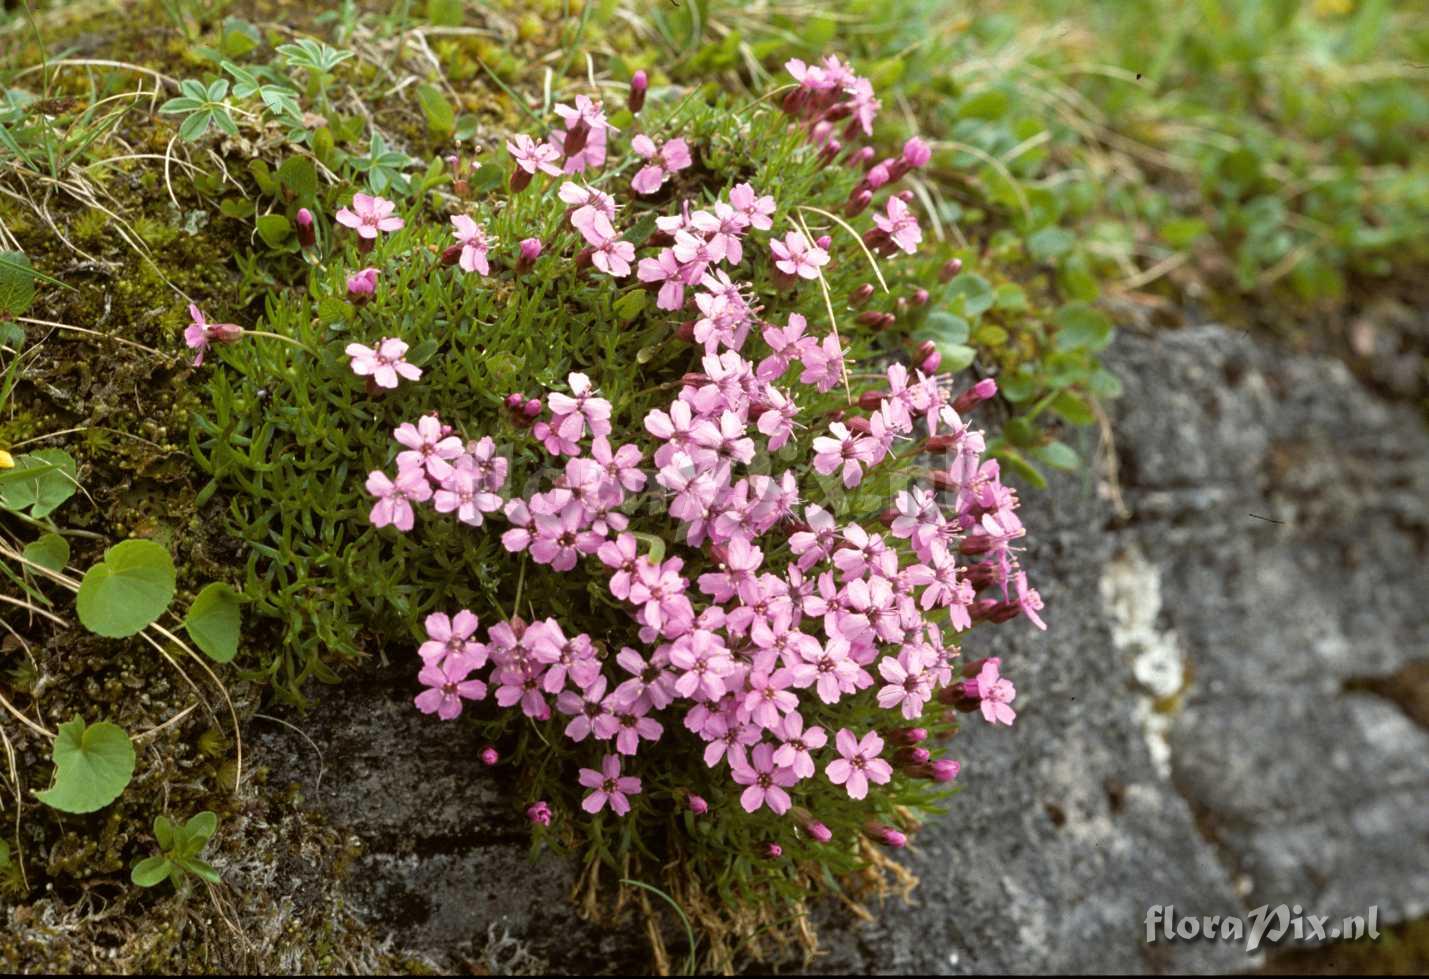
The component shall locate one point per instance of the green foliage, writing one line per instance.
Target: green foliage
(93, 764)
(214, 621)
(128, 590)
(17, 283)
(40, 482)
(179, 846)
(49, 551)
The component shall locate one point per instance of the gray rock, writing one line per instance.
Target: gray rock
(1211, 724)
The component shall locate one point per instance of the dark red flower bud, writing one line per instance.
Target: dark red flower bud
(639, 82)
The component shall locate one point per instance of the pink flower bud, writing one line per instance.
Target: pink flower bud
(878, 175)
(870, 317)
(909, 735)
(307, 234)
(869, 400)
(975, 395)
(530, 251)
(489, 756)
(920, 297)
(818, 831)
(773, 851)
(950, 269)
(916, 153)
(885, 834)
(863, 158)
(861, 295)
(824, 241)
(532, 408)
(576, 138)
(931, 361)
(362, 286)
(858, 201)
(639, 82)
(914, 756)
(697, 805)
(944, 770)
(539, 812)
(515, 400)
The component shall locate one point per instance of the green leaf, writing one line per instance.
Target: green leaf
(239, 38)
(93, 764)
(955, 356)
(1049, 244)
(50, 551)
(1073, 408)
(150, 871)
(945, 328)
(274, 229)
(1019, 465)
(126, 591)
(630, 305)
(1081, 327)
(17, 283)
(1059, 455)
(214, 621)
(201, 826)
(165, 832)
(200, 869)
(441, 117)
(299, 177)
(53, 481)
(975, 293)
(444, 13)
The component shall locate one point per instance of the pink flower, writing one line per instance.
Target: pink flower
(795, 256)
(758, 210)
(560, 539)
(474, 245)
(787, 343)
(995, 691)
(384, 364)
(572, 413)
(429, 447)
(610, 787)
(839, 450)
(451, 636)
(633, 726)
(369, 216)
(539, 812)
(823, 364)
(900, 225)
(769, 698)
(448, 686)
(798, 742)
(666, 269)
(200, 333)
(667, 159)
(462, 492)
(704, 662)
(909, 684)
(860, 763)
(531, 156)
(394, 500)
(1029, 601)
(765, 779)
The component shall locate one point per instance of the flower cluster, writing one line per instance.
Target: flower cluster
(794, 640)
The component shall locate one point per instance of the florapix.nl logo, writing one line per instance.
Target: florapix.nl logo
(1265, 923)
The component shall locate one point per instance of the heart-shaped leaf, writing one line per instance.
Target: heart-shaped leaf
(214, 620)
(93, 764)
(128, 590)
(52, 481)
(50, 551)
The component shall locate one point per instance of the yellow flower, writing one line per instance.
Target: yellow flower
(7, 461)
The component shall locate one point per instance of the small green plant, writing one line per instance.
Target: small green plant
(178, 859)
(93, 764)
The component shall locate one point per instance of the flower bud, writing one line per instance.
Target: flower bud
(919, 297)
(858, 424)
(773, 851)
(975, 395)
(818, 831)
(861, 295)
(530, 251)
(539, 812)
(639, 83)
(944, 770)
(916, 153)
(532, 408)
(878, 175)
(452, 254)
(909, 735)
(917, 755)
(697, 805)
(576, 138)
(931, 361)
(515, 400)
(489, 756)
(950, 269)
(519, 180)
(885, 834)
(863, 158)
(871, 317)
(870, 400)
(824, 241)
(362, 286)
(307, 234)
(858, 201)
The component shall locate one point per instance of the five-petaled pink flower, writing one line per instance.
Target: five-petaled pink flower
(448, 686)
(394, 499)
(796, 256)
(610, 787)
(474, 245)
(860, 763)
(384, 364)
(995, 691)
(370, 216)
(663, 160)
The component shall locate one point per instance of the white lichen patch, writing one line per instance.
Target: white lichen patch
(1131, 592)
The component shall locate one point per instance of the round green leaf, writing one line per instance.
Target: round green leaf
(50, 551)
(126, 591)
(213, 622)
(1082, 326)
(53, 481)
(274, 229)
(150, 871)
(202, 826)
(93, 764)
